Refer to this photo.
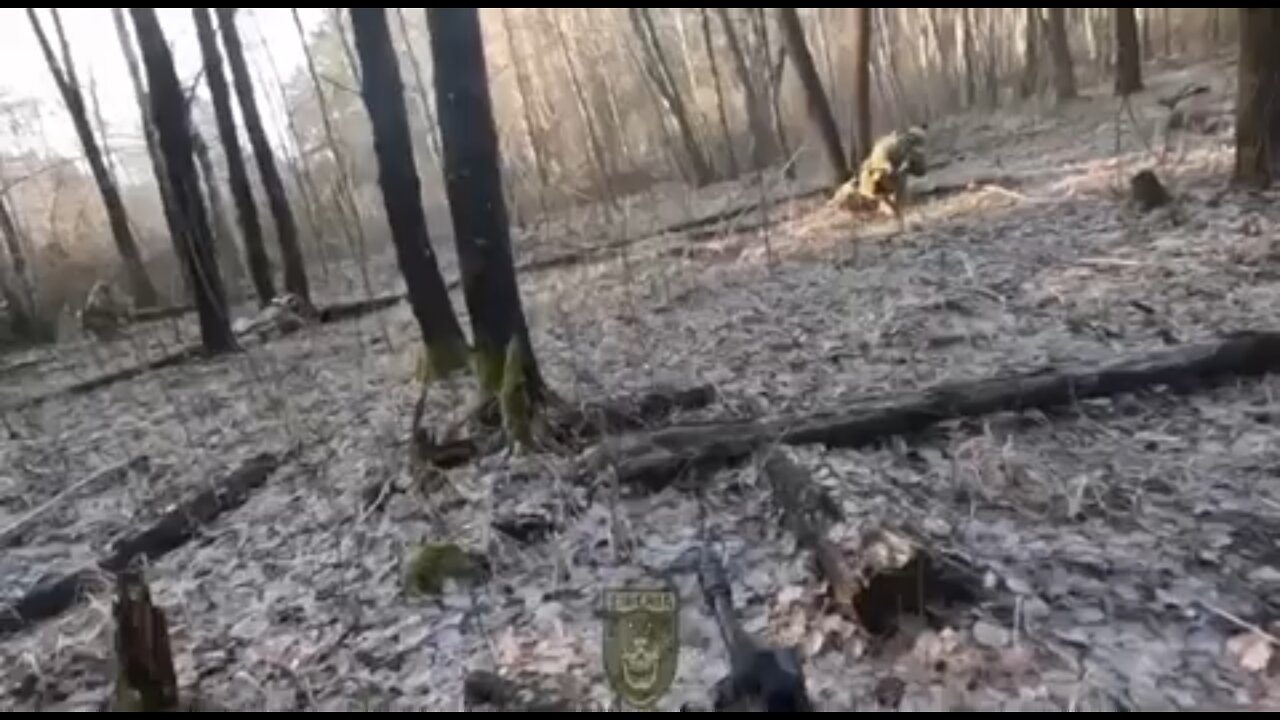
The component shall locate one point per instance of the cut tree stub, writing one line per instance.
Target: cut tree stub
(1148, 192)
(145, 676)
(903, 578)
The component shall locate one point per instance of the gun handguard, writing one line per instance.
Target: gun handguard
(761, 678)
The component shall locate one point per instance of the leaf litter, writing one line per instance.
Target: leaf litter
(1127, 546)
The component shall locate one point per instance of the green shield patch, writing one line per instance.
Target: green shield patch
(641, 642)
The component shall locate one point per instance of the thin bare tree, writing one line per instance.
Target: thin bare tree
(383, 95)
(1128, 55)
(1064, 74)
(763, 147)
(141, 288)
(295, 272)
(169, 113)
(861, 144)
(507, 365)
(820, 116)
(1257, 159)
(238, 176)
(721, 107)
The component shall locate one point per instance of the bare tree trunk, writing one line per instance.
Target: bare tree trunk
(595, 146)
(141, 288)
(969, 55)
(238, 177)
(1215, 28)
(144, 111)
(224, 239)
(861, 145)
(991, 34)
(1257, 160)
(298, 165)
(473, 182)
(533, 128)
(345, 43)
(295, 273)
(886, 58)
(19, 293)
(107, 155)
(1128, 56)
(424, 101)
(658, 68)
(383, 95)
(774, 73)
(348, 208)
(815, 97)
(1147, 51)
(763, 149)
(1167, 27)
(172, 123)
(722, 111)
(1064, 75)
(1030, 82)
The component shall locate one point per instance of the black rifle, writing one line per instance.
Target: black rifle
(761, 678)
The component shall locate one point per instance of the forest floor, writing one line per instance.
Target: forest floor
(1131, 545)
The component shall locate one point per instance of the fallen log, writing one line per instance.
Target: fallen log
(358, 308)
(654, 460)
(173, 529)
(808, 512)
(162, 313)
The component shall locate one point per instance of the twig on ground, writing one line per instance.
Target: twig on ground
(108, 473)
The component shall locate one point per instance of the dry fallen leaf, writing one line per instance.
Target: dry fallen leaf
(1252, 650)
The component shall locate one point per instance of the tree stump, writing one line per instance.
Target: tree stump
(145, 677)
(1147, 191)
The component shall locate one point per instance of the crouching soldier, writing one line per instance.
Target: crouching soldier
(103, 315)
(882, 177)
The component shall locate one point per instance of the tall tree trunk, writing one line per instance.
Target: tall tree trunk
(1166, 27)
(295, 273)
(144, 111)
(721, 109)
(1215, 28)
(533, 128)
(1128, 56)
(224, 238)
(170, 116)
(969, 55)
(658, 68)
(473, 181)
(595, 145)
(348, 208)
(424, 101)
(1147, 51)
(345, 43)
(246, 210)
(1257, 159)
(861, 145)
(19, 291)
(1064, 74)
(815, 97)
(763, 148)
(774, 73)
(299, 167)
(141, 288)
(383, 95)
(1030, 81)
